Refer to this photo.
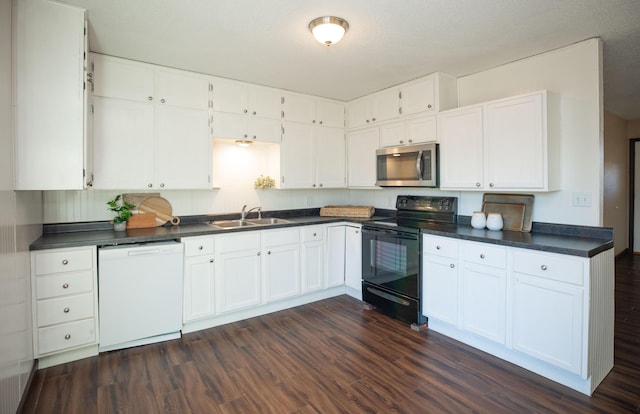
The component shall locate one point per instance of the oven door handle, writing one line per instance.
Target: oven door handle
(419, 165)
(392, 233)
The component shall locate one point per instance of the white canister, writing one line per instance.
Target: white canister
(494, 221)
(478, 220)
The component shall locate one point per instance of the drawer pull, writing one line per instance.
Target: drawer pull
(452, 265)
(67, 336)
(65, 262)
(66, 310)
(65, 286)
(437, 247)
(199, 247)
(210, 260)
(314, 234)
(482, 256)
(543, 267)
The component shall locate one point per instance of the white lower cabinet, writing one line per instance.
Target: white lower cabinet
(440, 282)
(237, 271)
(336, 243)
(312, 259)
(281, 264)
(65, 305)
(353, 261)
(199, 272)
(548, 308)
(550, 313)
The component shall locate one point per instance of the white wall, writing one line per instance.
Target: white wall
(574, 73)
(20, 224)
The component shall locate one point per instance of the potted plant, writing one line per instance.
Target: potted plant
(122, 210)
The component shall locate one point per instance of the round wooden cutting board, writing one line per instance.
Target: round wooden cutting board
(161, 207)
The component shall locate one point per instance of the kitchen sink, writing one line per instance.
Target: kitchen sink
(235, 224)
(231, 224)
(267, 221)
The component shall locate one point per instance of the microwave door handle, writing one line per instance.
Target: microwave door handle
(419, 165)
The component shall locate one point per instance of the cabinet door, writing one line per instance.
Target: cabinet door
(199, 293)
(353, 259)
(385, 105)
(421, 130)
(330, 157)
(418, 97)
(296, 152)
(49, 101)
(299, 108)
(122, 79)
(230, 125)
(264, 103)
(186, 90)
(183, 148)
(515, 143)
(461, 149)
(264, 129)
(362, 146)
(237, 276)
(123, 144)
(229, 96)
(335, 260)
(547, 321)
(330, 114)
(311, 263)
(359, 113)
(483, 301)
(440, 288)
(281, 275)
(392, 135)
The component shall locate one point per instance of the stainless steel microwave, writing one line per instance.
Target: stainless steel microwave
(408, 166)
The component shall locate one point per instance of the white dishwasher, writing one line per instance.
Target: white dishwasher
(139, 294)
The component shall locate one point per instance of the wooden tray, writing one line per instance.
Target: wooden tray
(512, 214)
(520, 199)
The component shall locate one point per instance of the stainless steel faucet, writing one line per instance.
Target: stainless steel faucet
(243, 213)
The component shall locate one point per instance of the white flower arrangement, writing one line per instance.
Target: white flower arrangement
(263, 182)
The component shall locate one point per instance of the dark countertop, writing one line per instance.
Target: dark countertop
(564, 239)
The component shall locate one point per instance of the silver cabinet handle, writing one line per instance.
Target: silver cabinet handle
(373, 119)
(254, 112)
(66, 310)
(482, 255)
(211, 260)
(410, 141)
(313, 122)
(490, 184)
(245, 111)
(543, 267)
(269, 252)
(258, 253)
(150, 98)
(149, 185)
(452, 265)
(477, 184)
(321, 122)
(65, 262)
(65, 286)
(401, 141)
(67, 336)
(199, 247)
(161, 185)
(437, 247)
(429, 106)
(357, 231)
(162, 100)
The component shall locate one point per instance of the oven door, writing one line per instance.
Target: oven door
(390, 259)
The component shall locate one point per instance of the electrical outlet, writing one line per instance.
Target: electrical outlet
(581, 199)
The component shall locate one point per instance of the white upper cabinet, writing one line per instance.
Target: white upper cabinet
(426, 95)
(308, 109)
(361, 153)
(50, 96)
(245, 111)
(508, 144)
(153, 121)
(409, 132)
(378, 107)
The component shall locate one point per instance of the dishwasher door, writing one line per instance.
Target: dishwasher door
(140, 294)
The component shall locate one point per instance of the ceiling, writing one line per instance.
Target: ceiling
(389, 42)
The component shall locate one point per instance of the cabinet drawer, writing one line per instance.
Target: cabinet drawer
(280, 237)
(237, 242)
(63, 284)
(549, 266)
(440, 246)
(68, 335)
(65, 309)
(312, 233)
(63, 261)
(484, 254)
(198, 246)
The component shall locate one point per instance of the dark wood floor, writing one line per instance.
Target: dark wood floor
(333, 356)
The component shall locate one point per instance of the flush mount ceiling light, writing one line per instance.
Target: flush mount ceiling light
(328, 30)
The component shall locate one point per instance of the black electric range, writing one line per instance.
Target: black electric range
(391, 277)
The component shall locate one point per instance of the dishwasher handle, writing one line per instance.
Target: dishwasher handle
(139, 252)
